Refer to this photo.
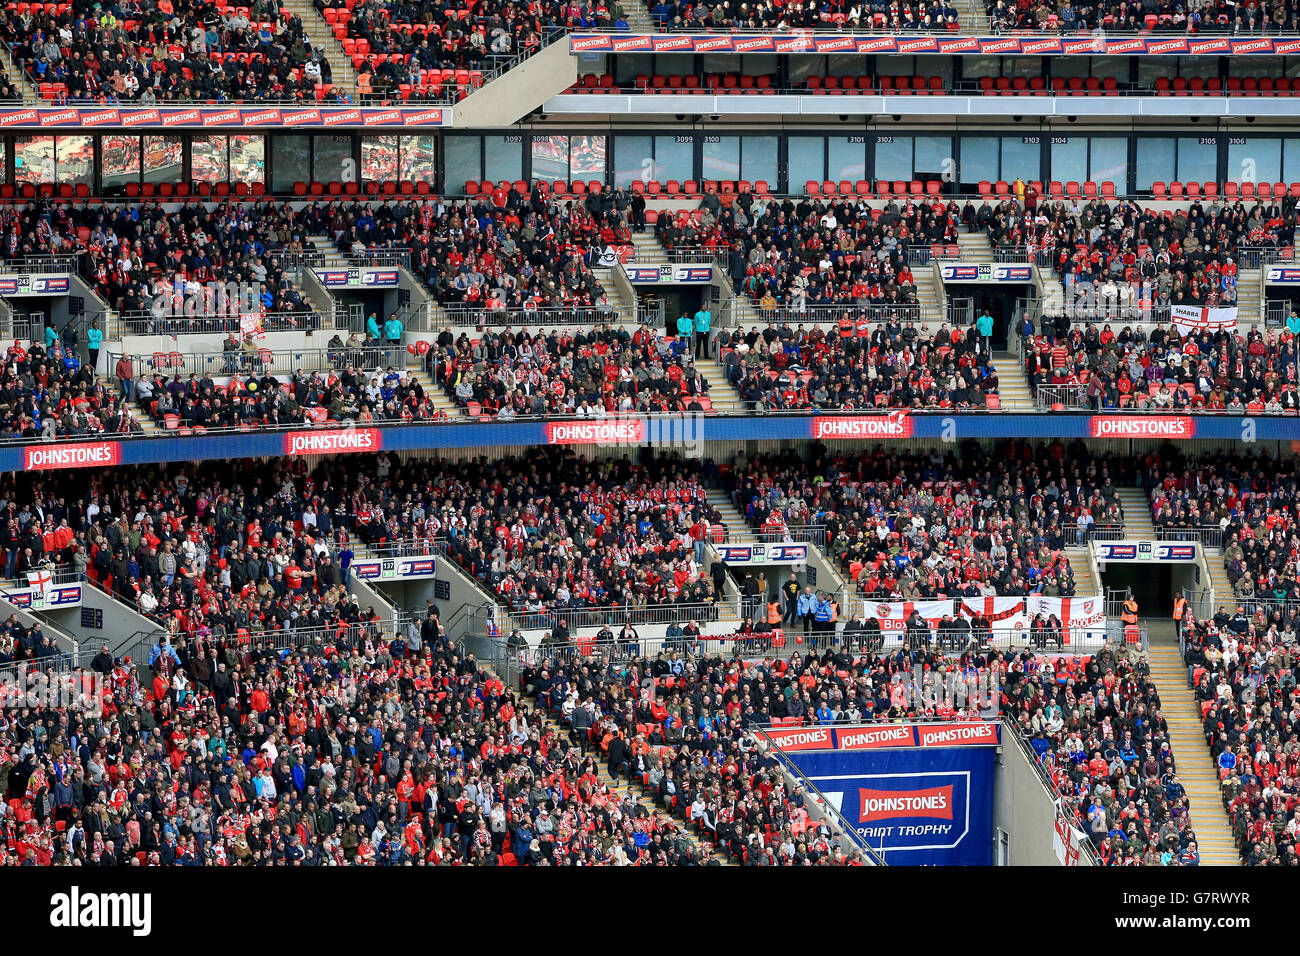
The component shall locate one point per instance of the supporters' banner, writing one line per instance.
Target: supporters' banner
(40, 581)
(807, 41)
(893, 616)
(997, 609)
(34, 285)
(196, 117)
(250, 323)
(1193, 318)
(1066, 839)
(613, 255)
(1072, 612)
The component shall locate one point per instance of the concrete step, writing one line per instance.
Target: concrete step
(1195, 769)
(1137, 513)
(322, 37)
(1085, 582)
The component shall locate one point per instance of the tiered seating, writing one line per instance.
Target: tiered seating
(681, 743)
(241, 625)
(204, 51)
(1113, 764)
(1154, 257)
(1249, 500)
(439, 51)
(1252, 374)
(594, 374)
(904, 17)
(1128, 17)
(556, 533)
(135, 253)
(243, 393)
(859, 366)
(806, 252)
(45, 389)
(905, 527)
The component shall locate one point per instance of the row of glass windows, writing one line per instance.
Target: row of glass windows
(782, 162)
(236, 158)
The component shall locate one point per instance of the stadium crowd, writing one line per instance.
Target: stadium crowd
(588, 374)
(46, 390)
(358, 749)
(1118, 258)
(402, 49)
(1243, 668)
(192, 51)
(859, 365)
(1164, 370)
(801, 253)
(912, 526)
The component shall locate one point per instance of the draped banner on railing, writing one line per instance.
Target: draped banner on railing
(893, 615)
(1195, 318)
(1017, 613)
(806, 41)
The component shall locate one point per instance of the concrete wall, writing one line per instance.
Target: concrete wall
(1023, 808)
(510, 98)
(120, 624)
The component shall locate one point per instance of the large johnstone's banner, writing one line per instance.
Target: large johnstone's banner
(1195, 318)
(918, 806)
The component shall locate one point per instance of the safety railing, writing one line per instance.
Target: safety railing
(280, 362)
(462, 315)
(361, 258)
(908, 313)
(1209, 535)
(1256, 257)
(845, 832)
(618, 615)
(163, 323)
(43, 265)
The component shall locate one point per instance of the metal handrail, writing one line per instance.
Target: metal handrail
(268, 361)
(146, 322)
(463, 315)
(835, 818)
(1012, 730)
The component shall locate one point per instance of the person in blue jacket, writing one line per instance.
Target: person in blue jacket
(684, 329)
(372, 325)
(824, 614)
(807, 609)
(393, 329)
(94, 339)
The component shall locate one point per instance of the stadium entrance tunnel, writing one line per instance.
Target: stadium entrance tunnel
(1153, 585)
(675, 300)
(361, 305)
(999, 300)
